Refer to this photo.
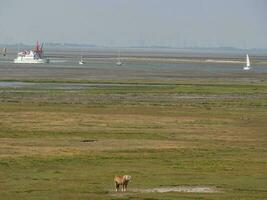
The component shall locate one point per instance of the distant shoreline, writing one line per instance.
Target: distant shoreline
(76, 45)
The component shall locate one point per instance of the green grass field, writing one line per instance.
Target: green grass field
(69, 144)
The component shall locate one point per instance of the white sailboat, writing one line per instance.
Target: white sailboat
(3, 52)
(119, 63)
(247, 67)
(81, 62)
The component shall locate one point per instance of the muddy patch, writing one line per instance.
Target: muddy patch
(187, 189)
(88, 141)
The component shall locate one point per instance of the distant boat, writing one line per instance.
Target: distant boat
(3, 51)
(119, 63)
(247, 67)
(35, 56)
(81, 62)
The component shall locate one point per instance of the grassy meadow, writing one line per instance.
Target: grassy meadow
(58, 143)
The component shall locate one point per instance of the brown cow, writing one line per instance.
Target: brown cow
(123, 181)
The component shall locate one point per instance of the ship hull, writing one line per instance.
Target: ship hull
(246, 68)
(32, 61)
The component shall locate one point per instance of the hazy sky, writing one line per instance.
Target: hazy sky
(239, 23)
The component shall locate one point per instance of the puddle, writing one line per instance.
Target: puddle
(88, 141)
(53, 61)
(14, 84)
(187, 189)
(66, 86)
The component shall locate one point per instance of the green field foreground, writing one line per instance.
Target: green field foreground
(69, 144)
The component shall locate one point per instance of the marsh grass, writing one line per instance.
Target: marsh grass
(170, 135)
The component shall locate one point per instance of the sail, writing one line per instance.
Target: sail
(248, 61)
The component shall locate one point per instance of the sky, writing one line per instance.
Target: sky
(173, 23)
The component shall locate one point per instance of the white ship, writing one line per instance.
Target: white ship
(35, 56)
